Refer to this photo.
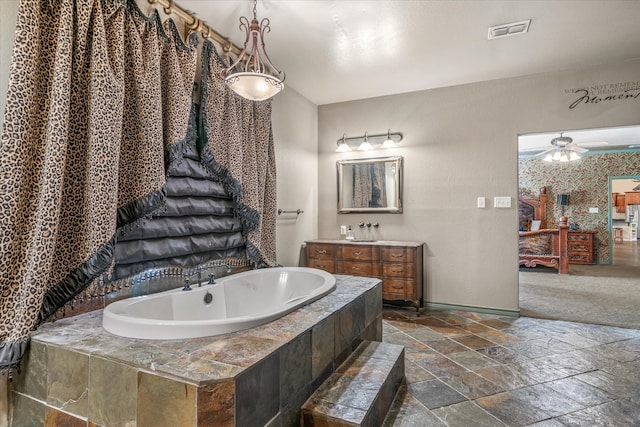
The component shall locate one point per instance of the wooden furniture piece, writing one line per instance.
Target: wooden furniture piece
(530, 209)
(397, 263)
(632, 198)
(547, 247)
(618, 234)
(620, 203)
(580, 247)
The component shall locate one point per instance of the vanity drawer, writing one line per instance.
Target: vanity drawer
(399, 270)
(327, 265)
(365, 253)
(359, 268)
(400, 287)
(320, 250)
(398, 254)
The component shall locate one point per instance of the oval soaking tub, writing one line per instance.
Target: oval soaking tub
(240, 301)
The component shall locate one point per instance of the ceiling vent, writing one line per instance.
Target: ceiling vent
(506, 30)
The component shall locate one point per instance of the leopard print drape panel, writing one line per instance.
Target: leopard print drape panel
(239, 148)
(99, 96)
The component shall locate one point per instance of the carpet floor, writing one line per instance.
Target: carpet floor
(612, 301)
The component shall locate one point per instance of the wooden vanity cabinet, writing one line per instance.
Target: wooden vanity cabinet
(397, 263)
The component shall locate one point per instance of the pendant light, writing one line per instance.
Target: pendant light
(256, 78)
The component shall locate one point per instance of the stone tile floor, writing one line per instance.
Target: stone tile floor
(471, 369)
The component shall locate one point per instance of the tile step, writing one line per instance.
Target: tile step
(361, 391)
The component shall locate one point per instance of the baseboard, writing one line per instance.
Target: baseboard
(496, 311)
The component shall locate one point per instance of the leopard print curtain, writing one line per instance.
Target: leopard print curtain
(239, 148)
(98, 101)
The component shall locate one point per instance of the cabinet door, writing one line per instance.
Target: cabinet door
(632, 198)
(621, 205)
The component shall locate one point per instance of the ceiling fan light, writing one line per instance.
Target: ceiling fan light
(564, 157)
(548, 158)
(556, 156)
(574, 156)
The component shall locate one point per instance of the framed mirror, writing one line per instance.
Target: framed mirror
(370, 185)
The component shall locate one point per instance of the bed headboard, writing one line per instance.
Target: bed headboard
(530, 209)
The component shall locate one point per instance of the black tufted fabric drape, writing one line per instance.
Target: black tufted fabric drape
(98, 103)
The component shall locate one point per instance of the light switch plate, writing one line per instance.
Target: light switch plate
(482, 202)
(594, 210)
(502, 202)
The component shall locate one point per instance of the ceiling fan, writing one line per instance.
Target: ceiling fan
(562, 149)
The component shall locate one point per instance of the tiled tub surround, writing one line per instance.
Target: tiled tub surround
(79, 374)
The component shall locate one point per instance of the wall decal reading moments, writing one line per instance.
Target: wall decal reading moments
(605, 93)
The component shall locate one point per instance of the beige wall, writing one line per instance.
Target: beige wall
(8, 14)
(460, 143)
(295, 133)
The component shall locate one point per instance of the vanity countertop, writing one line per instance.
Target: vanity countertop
(368, 242)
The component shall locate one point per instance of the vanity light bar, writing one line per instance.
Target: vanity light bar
(376, 141)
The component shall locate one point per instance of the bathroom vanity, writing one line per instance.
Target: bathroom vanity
(397, 263)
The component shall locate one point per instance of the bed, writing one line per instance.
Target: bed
(539, 245)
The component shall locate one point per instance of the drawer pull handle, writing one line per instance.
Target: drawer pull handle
(322, 266)
(397, 287)
(397, 255)
(356, 268)
(321, 251)
(397, 271)
(356, 253)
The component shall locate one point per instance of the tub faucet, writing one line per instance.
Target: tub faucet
(212, 277)
(186, 287)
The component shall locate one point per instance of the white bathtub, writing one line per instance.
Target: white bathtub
(240, 301)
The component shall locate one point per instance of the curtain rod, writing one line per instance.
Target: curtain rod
(196, 24)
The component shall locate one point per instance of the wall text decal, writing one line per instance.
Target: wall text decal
(604, 93)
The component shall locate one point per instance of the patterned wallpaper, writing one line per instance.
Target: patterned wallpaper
(587, 183)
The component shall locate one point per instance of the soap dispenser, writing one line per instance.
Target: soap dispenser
(350, 235)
